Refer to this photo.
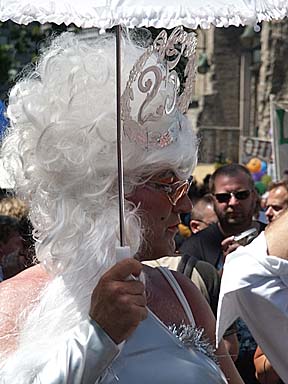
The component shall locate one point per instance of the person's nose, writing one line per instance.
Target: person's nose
(269, 213)
(233, 200)
(183, 205)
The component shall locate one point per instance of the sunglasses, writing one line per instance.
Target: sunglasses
(226, 196)
(173, 191)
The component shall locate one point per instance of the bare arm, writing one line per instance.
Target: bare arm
(232, 345)
(264, 370)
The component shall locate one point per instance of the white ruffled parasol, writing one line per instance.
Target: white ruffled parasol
(149, 13)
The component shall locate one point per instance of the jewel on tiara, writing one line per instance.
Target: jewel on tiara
(156, 123)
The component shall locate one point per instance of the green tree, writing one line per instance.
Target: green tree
(20, 45)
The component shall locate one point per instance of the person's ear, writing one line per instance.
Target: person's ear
(194, 226)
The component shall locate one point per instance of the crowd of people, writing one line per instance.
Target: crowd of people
(77, 306)
(236, 213)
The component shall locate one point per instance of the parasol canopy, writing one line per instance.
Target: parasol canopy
(105, 14)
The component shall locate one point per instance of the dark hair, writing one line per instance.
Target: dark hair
(8, 225)
(231, 170)
(23, 227)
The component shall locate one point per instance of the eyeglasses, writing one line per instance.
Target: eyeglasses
(226, 196)
(173, 191)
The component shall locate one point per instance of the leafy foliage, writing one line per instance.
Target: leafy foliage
(20, 45)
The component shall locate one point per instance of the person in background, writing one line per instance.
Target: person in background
(202, 214)
(277, 200)
(16, 246)
(276, 204)
(235, 200)
(16, 240)
(257, 292)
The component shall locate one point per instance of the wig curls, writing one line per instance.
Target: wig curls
(61, 148)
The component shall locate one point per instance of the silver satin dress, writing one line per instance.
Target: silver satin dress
(154, 355)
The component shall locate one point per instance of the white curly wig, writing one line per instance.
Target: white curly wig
(61, 148)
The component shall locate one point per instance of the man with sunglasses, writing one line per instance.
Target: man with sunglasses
(235, 200)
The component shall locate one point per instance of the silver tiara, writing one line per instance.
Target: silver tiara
(154, 81)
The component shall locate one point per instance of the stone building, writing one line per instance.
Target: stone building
(240, 70)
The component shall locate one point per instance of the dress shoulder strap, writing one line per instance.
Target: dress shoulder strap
(179, 293)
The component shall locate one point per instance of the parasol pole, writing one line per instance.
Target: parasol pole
(119, 135)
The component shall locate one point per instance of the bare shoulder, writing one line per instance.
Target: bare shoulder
(17, 295)
(26, 284)
(200, 308)
(186, 284)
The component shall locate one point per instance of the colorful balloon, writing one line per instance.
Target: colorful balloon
(257, 176)
(261, 187)
(254, 165)
(263, 166)
(266, 179)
